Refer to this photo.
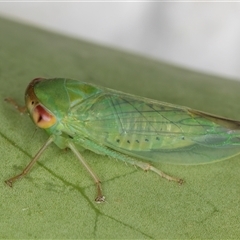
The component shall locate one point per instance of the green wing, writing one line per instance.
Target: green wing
(155, 131)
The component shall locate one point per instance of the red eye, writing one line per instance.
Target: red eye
(42, 117)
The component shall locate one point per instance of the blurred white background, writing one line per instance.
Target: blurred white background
(198, 35)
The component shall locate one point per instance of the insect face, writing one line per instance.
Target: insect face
(41, 116)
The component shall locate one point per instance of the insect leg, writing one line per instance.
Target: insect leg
(18, 107)
(100, 198)
(10, 181)
(145, 166)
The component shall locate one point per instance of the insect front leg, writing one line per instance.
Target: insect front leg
(10, 181)
(21, 109)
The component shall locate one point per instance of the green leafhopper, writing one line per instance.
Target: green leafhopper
(78, 115)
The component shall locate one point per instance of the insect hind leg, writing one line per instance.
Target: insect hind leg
(147, 167)
(120, 156)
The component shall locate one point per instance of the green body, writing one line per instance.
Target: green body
(102, 120)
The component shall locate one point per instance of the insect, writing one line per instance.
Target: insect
(79, 115)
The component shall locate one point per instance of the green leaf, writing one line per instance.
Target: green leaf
(56, 200)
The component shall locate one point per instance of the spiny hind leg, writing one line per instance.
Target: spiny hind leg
(120, 156)
(147, 167)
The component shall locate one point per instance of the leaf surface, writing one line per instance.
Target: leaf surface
(56, 200)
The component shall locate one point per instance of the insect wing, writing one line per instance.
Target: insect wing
(156, 131)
